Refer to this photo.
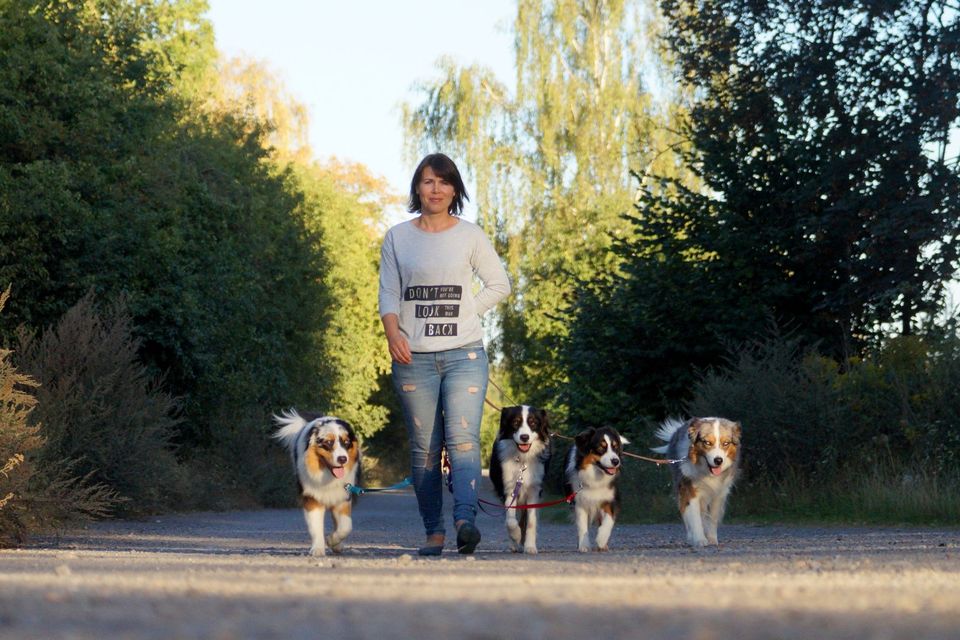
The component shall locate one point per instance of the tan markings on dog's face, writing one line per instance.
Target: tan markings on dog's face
(714, 441)
(590, 459)
(605, 451)
(312, 460)
(331, 447)
(685, 493)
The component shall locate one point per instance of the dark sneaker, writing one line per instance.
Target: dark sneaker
(430, 550)
(468, 537)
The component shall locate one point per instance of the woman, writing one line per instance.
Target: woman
(431, 317)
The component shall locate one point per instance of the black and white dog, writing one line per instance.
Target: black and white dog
(326, 458)
(518, 464)
(710, 452)
(593, 466)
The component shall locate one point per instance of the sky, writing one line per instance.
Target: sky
(352, 63)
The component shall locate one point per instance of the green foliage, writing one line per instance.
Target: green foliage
(134, 164)
(820, 131)
(352, 355)
(825, 202)
(101, 412)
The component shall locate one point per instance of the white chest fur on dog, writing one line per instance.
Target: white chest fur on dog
(518, 464)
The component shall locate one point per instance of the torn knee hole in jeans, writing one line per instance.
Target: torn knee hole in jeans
(472, 355)
(473, 389)
(409, 387)
(466, 446)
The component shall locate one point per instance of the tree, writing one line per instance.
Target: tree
(827, 206)
(821, 132)
(551, 162)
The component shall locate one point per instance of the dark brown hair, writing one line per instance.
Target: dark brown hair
(445, 169)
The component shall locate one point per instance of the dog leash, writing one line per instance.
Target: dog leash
(539, 505)
(630, 455)
(359, 491)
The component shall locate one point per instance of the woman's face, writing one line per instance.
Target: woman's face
(436, 194)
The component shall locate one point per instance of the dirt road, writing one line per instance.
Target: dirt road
(246, 575)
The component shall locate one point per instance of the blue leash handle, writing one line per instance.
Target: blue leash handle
(359, 491)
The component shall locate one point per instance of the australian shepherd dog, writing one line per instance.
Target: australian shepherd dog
(326, 458)
(518, 464)
(593, 466)
(708, 449)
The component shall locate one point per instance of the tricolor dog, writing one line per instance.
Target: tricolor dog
(518, 464)
(326, 458)
(709, 452)
(592, 469)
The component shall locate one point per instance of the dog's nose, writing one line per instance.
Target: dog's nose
(614, 462)
(342, 460)
(524, 438)
(717, 461)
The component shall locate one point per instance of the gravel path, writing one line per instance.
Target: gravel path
(246, 575)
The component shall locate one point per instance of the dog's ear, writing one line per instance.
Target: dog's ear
(542, 414)
(736, 433)
(584, 437)
(504, 418)
(692, 429)
(623, 441)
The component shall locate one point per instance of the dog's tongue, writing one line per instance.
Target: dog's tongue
(716, 470)
(610, 470)
(524, 447)
(338, 472)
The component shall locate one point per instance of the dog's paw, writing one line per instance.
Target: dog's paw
(530, 549)
(583, 549)
(603, 549)
(513, 546)
(318, 552)
(697, 543)
(334, 544)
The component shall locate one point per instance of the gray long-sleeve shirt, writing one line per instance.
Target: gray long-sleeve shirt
(427, 279)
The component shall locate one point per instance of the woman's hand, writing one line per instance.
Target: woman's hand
(396, 343)
(399, 348)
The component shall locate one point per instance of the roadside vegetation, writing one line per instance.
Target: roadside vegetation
(729, 208)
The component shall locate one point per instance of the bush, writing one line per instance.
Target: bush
(31, 500)
(102, 416)
(896, 411)
(17, 440)
(786, 400)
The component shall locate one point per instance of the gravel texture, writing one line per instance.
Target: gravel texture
(247, 575)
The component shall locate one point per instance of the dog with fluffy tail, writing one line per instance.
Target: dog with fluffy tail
(326, 459)
(709, 451)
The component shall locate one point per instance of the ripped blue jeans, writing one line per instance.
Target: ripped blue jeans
(442, 397)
